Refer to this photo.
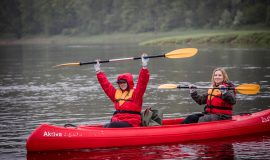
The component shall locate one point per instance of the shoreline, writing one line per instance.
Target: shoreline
(198, 37)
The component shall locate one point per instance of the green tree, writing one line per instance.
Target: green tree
(238, 19)
(268, 16)
(226, 19)
(254, 13)
(53, 17)
(10, 16)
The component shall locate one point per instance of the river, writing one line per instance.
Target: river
(33, 92)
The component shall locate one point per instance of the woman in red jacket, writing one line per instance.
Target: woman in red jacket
(127, 99)
(219, 102)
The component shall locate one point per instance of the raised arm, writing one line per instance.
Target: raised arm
(107, 87)
(143, 80)
(104, 82)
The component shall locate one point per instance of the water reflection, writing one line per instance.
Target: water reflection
(247, 147)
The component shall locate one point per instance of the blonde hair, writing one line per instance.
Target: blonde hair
(224, 73)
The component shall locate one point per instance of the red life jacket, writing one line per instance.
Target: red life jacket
(124, 100)
(125, 103)
(122, 96)
(215, 104)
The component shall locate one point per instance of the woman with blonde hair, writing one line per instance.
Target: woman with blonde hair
(219, 99)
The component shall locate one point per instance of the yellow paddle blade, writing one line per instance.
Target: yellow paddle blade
(182, 53)
(248, 88)
(167, 86)
(67, 64)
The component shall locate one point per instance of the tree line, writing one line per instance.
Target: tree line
(88, 17)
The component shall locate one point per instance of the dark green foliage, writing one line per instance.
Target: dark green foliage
(88, 17)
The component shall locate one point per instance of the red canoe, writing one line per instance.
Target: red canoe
(48, 137)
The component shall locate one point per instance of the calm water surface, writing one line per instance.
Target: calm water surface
(33, 92)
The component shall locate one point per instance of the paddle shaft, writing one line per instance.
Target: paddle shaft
(121, 59)
(205, 87)
(179, 53)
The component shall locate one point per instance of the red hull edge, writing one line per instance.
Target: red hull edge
(48, 137)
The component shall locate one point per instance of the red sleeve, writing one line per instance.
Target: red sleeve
(141, 85)
(106, 85)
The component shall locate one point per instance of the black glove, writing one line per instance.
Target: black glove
(192, 88)
(223, 89)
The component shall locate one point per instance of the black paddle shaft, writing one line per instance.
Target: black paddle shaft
(204, 87)
(94, 62)
(121, 59)
(157, 56)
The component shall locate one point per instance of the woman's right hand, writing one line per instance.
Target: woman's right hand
(192, 88)
(223, 89)
(97, 66)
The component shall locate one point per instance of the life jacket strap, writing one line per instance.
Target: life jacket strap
(121, 99)
(220, 108)
(212, 95)
(125, 111)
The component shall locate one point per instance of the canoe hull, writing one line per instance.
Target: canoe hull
(48, 137)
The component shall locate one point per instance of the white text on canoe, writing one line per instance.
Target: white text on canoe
(265, 119)
(60, 134)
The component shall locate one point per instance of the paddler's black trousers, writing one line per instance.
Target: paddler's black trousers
(194, 118)
(117, 125)
(200, 117)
